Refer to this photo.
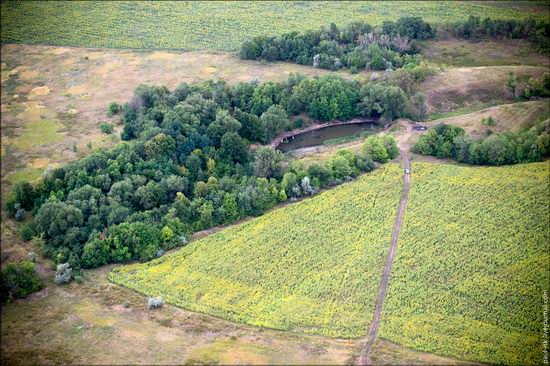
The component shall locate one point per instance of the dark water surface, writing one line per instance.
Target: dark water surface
(318, 137)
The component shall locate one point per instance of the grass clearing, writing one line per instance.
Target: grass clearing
(311, 267)
(507, 117)
(215, 25)
(37, 133)
(472, 263)
(465, 89)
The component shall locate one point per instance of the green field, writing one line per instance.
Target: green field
(472, 264)
(311, 267)
(215, 25)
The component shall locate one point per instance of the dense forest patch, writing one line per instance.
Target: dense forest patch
(190, 166)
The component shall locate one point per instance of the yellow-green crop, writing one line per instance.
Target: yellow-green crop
(472, 264)
(312, 267)
(216, 25)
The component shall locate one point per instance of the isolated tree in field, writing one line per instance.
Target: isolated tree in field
(268, 162)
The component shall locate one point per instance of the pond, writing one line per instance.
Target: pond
(323, 135)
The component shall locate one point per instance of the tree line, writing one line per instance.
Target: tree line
(190, 166)
(356, 46)
(528, 145)
(536, 31)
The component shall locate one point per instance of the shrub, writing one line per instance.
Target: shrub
(106, 128)
(113, 108)
(27, 231)
(63, 274)
(19, 280)
(20, 215)
(154, 302)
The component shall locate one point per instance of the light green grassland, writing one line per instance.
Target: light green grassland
(311, 267)
(216, 25)
(472, 263)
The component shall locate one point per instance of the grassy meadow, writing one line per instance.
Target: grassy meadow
(216, 25)
(312, 267)
(472, 264)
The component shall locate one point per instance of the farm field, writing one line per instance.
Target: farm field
(311, 267)
(472, 264)
(216, 25)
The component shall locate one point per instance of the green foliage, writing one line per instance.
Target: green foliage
(472, 264)
(529, 145)
(106, 128)
(27, 231)
(381, 149)
(113, 108)
(381, 99)
(537, 31)
(189, 168)
(19, 279)
(329, 252)
(268, 163)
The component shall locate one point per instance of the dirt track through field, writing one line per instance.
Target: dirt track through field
(384, 282)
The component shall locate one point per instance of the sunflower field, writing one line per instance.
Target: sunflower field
(472, 264)
(216, 25)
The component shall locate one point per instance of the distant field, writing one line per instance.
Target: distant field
(472, 264)
(215, 25)
(312, 267)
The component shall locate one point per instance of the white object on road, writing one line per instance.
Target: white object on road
(407, 171)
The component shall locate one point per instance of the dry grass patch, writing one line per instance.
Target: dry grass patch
(470, 86)
(507, 117)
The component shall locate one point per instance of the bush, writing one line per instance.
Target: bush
(106, 128)
(63, 274)
(154, 303)
(19, 280)
(113, 108)
(27, 231)
(20, 215)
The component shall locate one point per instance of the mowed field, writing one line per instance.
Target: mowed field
(472, 264)
(311, 267)
(216, 25)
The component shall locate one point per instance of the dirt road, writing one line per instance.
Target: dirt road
(373, 328)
